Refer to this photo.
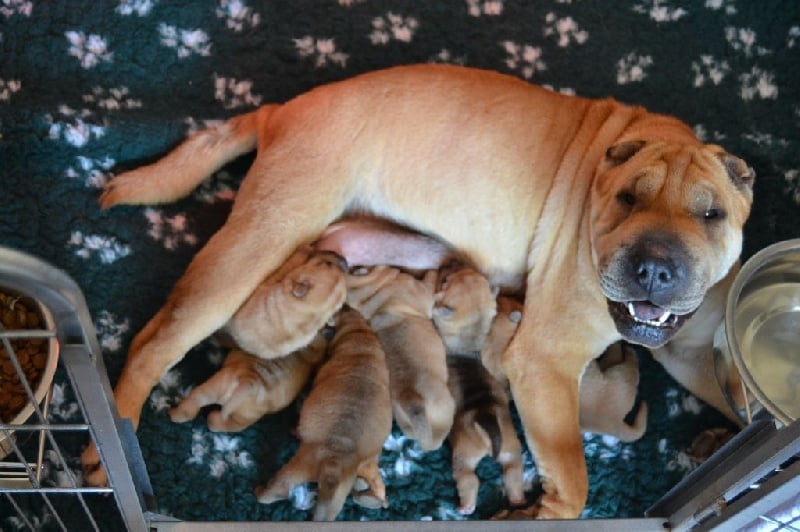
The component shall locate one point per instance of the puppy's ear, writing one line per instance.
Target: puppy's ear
(742, 175)
(619, 153)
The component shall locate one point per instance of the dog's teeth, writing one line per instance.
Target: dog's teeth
(664, 317)
(631, 310)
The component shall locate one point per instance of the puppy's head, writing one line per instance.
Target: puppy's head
(666, 225)
(464, 306)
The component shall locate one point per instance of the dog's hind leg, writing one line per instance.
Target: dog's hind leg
(300, 469)
(336, 479)
(184, 168)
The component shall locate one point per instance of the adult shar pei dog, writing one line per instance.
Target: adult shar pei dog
(614, 221)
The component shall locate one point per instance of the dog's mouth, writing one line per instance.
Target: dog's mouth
(644, 322)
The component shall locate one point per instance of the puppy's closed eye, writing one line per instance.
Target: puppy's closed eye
(300, 289)
(443, 311)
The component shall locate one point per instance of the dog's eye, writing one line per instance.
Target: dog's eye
(443, 311)
(712, 214)
(626, 198)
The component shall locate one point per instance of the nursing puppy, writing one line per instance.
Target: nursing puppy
(619, 220)
(287, 310)
(398, 308)
(464, 308)
(343, 422)
(247, 387)
(482, 426)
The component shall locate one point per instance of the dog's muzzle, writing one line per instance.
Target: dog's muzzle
(654, 277)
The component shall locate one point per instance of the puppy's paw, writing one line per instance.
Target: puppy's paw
(93, 472)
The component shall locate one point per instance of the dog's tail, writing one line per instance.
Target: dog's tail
(184, 168)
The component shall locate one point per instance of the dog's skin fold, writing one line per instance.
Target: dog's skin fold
(522, 181)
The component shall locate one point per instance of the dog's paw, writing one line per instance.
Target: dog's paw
(93, 472)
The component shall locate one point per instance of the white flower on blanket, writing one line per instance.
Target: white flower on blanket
(112, 99)
(393, 27)
(237, 15)
(105, 248)
(744, 40)
(16, 7)
(88, 49)
(757, 83)
(110, 330)
(219, 187)
(74, 127)
(234, 93)
(523, 58)
(565, 30)
(709, 70)
(322, 51)
(140, 7)
(171, 231)
(727, 6)
(660, 10)
(219, 452)
(632, 68)
(9, 87)
(186, 42)
(93, 172)
(476, 8)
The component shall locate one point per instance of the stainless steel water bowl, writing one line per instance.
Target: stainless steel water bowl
(761, 335)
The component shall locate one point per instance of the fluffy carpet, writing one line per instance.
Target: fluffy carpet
(89, 89)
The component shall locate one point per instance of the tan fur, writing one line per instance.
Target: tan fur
(463, 310)
(398, 308)
(608, 394)
(248, 387)
(288, 309)
(480, 400)
(541, 206)
(343, 422)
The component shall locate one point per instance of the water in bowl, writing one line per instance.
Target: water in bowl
(767, 326)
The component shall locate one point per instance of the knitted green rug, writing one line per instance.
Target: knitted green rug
(91, 88)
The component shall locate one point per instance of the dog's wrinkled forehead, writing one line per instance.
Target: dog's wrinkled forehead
(695, 161)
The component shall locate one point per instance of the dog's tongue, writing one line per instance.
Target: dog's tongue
(647, 311)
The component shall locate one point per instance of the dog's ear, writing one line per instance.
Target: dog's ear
(740, 173)
(619, 153)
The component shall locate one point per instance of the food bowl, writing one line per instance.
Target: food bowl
(47, 345)
(761, 335)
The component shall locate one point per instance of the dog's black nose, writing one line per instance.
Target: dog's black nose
(659, 269)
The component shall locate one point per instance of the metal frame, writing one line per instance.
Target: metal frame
(80, 355)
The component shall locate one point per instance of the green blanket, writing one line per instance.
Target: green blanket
(92, 88)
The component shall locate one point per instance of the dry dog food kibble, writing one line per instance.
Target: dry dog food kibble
(31, 353)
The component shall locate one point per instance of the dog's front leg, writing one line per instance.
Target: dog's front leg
(544, 385)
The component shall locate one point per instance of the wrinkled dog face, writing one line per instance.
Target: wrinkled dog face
(666, 226)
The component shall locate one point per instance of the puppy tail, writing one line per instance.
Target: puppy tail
(488, 422)
(184, 168)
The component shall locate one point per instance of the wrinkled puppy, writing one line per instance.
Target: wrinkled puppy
(287, 309)
(608, 395)
(247, 387)
(608, 384)
(343, 422)
(463, 310)
(482, 427)
(398, 307)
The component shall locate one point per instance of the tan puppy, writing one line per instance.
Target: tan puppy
(482, 427)
(343, 422)
(287, 310)
(398, 308)
(463, 310)
(608, 395)
(248, 387)
(608, 384)
(619, 220)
